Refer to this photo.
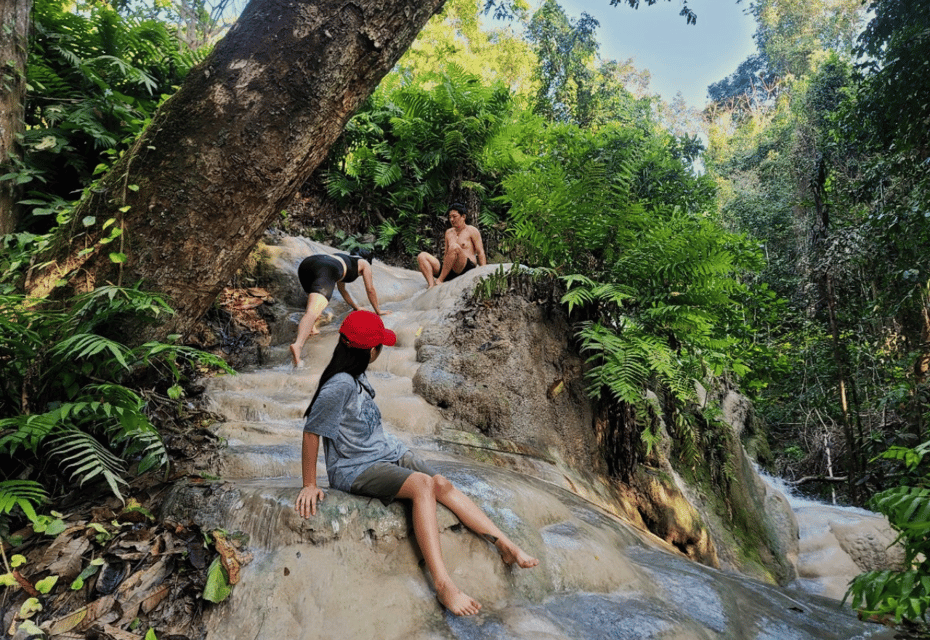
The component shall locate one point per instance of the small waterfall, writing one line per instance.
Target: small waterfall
(836, 543)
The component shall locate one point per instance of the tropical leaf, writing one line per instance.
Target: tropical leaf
(25, 494)
(85, 459)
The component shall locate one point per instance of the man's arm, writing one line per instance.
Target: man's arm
(479, 248)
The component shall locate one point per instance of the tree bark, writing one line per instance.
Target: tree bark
(14, 46)
(224, 155)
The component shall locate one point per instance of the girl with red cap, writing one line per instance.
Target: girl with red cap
(362, 459)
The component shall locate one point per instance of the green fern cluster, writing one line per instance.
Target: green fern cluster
(94, 79)
(656, 282)
(409, 151)
(66, 402)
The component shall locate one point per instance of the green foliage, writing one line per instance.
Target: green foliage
(565, 48)
(217, 587)
(406, 154)
(21, 494)
(623, 222)
(901, 595)
(493, 53)
(66, 401)
(893, 96)
(94, 79)
(832, 178)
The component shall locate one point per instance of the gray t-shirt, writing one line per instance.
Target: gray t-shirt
(346, 417)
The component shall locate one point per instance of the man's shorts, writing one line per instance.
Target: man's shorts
(469, 265)
(383, 480)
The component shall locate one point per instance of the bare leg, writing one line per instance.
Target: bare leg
(454, 260)
(429, 267)
(420, 489)
(475, 519)
(316, 302)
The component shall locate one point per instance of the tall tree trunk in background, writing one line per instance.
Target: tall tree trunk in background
(821, 232)
(227, 152)
(14, 44)
(852, 443)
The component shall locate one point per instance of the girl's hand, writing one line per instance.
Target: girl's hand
(307, 500)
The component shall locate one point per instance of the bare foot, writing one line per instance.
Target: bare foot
(456, 601)
(512, 554)
(295, 354)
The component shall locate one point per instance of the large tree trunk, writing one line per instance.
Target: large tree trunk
(226, 154)
(14, 41)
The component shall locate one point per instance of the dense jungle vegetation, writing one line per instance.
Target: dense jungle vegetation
(777, 240)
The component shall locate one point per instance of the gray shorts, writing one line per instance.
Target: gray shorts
(383, 480)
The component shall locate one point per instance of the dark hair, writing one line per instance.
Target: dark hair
(364, 253)
(458, 206)
(345, 359)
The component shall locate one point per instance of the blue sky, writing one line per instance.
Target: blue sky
(680, 57)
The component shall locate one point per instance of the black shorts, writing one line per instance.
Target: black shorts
(383, 480)
(319, 274)
(469, 265)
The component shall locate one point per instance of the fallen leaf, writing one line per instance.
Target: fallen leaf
(259, 292)
(142, 581)
(118, 634)
(227, 556)
(101, 609)
(68, 622)
(155, 597)
(217, 588)
(66, 560)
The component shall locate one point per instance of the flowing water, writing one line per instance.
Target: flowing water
(353, 570)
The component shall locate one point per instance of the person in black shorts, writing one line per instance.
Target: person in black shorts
(318, 275)
(463, 250)
(363, 459)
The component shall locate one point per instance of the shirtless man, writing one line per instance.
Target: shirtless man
(464, 250)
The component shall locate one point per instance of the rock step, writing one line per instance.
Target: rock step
(270, 432)
(242, 406)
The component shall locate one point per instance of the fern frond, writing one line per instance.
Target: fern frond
(25, 494)
(86, 345)
(85, 459)
(26, 431)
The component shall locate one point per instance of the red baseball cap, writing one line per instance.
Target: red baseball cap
(365, 330)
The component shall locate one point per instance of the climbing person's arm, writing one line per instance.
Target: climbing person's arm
(345, 295)
(310, 494)
(368, 277)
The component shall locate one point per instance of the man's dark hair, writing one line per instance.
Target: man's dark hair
(458, 206)
(345, 359)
